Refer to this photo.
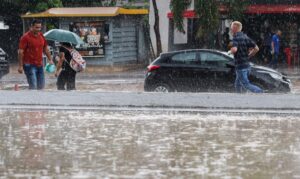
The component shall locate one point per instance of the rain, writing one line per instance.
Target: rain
(158, 96)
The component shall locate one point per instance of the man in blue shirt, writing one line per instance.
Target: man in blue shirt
(275, 45)
(243, 48)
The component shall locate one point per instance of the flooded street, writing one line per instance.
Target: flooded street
(147, 144)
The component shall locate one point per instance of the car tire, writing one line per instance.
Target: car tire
(162, 87)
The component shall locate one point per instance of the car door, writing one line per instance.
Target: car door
(184, 65)
(220, 77)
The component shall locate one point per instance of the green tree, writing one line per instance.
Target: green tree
(34, 6)
(236, 8)
(178, 7)
(208, 17)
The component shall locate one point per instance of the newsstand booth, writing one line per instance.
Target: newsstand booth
(112, 35)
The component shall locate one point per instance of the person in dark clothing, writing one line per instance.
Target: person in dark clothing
(64, 73)
(243, 48)
(226, 39)
(267, 46)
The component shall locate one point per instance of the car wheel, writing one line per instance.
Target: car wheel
(163, 88)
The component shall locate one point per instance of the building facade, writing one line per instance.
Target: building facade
(112, 35)
(260, 16)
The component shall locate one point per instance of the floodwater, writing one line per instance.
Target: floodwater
(147, 144)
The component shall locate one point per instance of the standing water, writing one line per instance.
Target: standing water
(147, 144)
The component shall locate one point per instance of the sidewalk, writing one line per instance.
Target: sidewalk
(263, 103)
(115, 70)
(91, 72)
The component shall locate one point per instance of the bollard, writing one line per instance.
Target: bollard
(16, 87)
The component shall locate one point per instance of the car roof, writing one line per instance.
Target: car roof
(189, 50)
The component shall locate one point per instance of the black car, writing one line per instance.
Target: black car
(206, 71)
(4, 65)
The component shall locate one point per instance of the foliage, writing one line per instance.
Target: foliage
(236, 9)
(208, 16)
(178, 7)
(24, 6)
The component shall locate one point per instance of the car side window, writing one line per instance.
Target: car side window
(212, 59)
(185, 58)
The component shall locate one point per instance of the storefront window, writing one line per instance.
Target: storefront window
(93, 34)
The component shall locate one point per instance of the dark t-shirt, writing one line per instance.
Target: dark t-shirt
(68, 57)
(243, 44)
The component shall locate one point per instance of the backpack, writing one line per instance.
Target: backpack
(77, 63)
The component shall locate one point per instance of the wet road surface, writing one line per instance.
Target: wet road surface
(147, 144)
(131, 80)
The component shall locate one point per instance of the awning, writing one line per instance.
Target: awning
(187, 14)
(252, 9)
(273, 9)
(87, 12)
(192, 13)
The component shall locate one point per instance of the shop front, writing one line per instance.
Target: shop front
(262, 20)
(91, 32)
(112, 35)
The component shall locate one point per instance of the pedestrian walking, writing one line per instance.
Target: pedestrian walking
(243, 48)
(64, 73)
(275, 45)
(31, 47)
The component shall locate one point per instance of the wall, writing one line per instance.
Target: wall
(124, 39)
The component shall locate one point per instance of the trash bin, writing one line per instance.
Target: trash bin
(4, 66)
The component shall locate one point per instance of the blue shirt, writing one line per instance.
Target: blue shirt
(243, 44)
(275, 40)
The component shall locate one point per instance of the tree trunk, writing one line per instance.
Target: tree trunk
(156, 28)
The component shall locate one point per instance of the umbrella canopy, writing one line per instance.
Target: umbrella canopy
(63, 36)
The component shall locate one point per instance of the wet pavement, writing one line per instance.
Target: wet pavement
(93, 79)
(94, 144)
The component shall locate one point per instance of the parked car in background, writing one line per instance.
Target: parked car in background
(205, 70)
(4, 65)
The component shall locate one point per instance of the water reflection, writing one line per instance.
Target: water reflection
(147, 144)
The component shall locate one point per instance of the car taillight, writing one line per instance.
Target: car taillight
(152, 67)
